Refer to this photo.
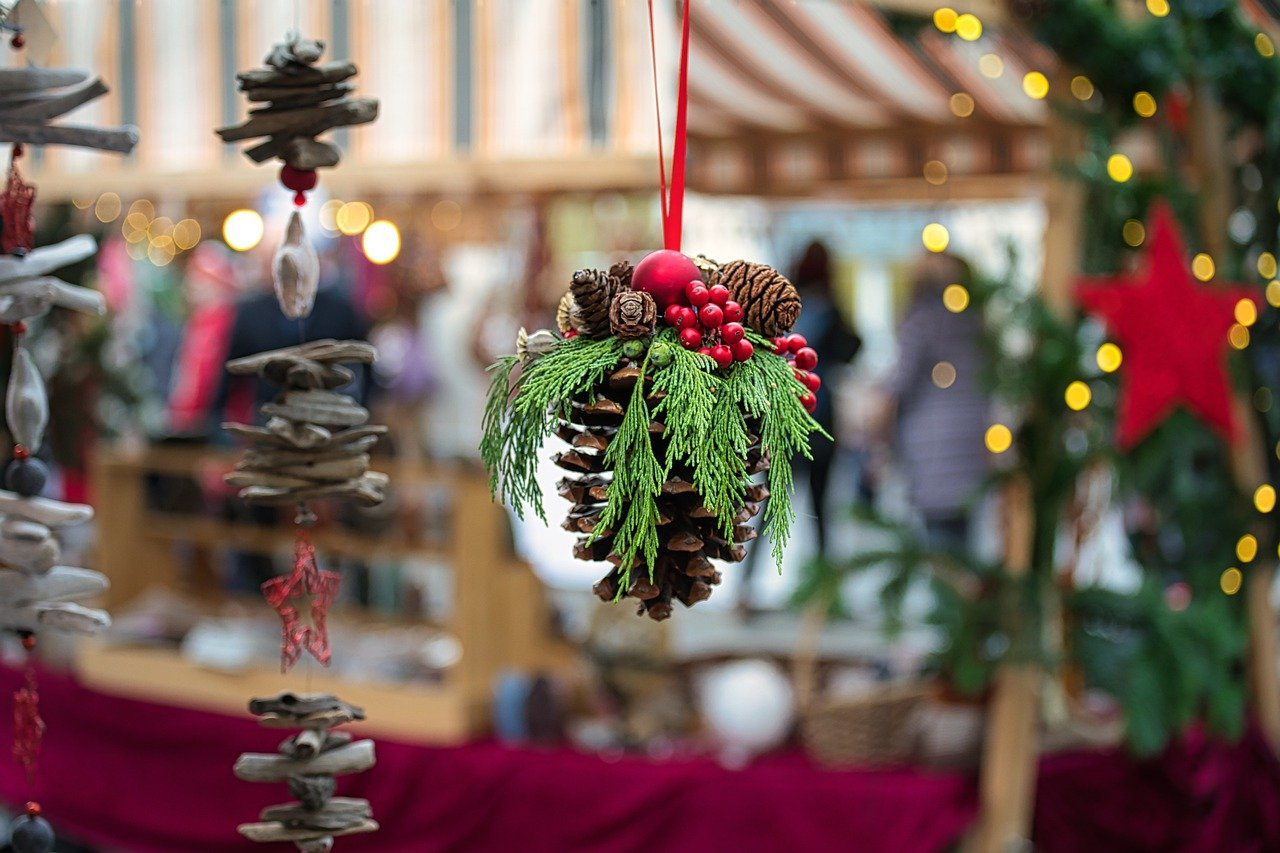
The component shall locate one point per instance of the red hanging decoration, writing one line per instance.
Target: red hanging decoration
(673, 202)
(306, 579)
(28, 725)
(1173, 333)
(17, 226)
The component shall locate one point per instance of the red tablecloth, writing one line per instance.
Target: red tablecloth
(146, 779)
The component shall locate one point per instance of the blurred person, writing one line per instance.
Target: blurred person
(210, 288)
(938, 408)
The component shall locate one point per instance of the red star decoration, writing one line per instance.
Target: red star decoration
(1173, 333)
(17, 228)
(305, 579)
(28, 727)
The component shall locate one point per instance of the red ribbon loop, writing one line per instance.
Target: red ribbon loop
(673, 202)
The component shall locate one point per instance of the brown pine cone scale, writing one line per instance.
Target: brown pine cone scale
(770, 303)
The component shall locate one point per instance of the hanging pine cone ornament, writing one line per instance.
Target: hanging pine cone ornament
(678, 427)
(770, 302)
(633, 315)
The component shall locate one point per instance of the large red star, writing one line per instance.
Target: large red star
(1173, 333)
(281, 592)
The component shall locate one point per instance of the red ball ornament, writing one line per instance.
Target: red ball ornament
(711, 315)
(722, 354)
(664, 275)
(795, 343)
(779, 346)
(719, 294)
(18, 42)
(732, 332)
(298, 180)
(806, 358)
(743, 350)
(690, 338)
(732, 312)
(812, 381)
(809, 401)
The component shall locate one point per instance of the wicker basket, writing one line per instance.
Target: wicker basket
(875, 728)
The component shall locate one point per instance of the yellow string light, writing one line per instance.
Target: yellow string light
(943, 374)
(1159, 8)
(962, 104)
(935, 172)
(955, 297)
(1035, 84)
(1273, 293)
(1109, 358)
(991, 65)
(1144, 104)
(968, 27)
(1231, 580)
(1238, 336)
(1202, 267)
(945, 19)
(1078, 396)
(1267, 265)
(1134, 232)
(1246, 312)
(1263, 44)
(1264, 498)
(935, 237)
(1119, 168)
(1246, 548)
(999, 438)
(1081, 87)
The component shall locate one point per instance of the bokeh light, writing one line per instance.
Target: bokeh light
(990, 65)
(353, 217)
(1134, 232)
(969, 27)
(446, 215)
(381, 242)
(186, 234)
(935, 237)
(943, 374)
(962, 104)
(1273, 293)
(1109, 358)
(1144, 104)
(955, 297)
(242, 229)
(1035, 84)
(1246, 312)
(1081, 87)
(1078, 396)
(1231, 580)
(1267, 265)
(1264, 498)
(107, 208)
(1246, 548)
(1238, 336)
(1202, 267)
(999, 438)
(1263, 44)
(1119, 168)
(935, 172)
(1159, 8)
(945, 19)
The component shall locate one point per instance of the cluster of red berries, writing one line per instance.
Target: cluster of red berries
(803, 360)
(711, 323)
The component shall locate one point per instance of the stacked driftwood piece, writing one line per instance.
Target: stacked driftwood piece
(31, 97)
(308, 762)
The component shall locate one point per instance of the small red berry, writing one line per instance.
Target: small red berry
(690, 338)
(809, 401)
(711, 315)
(779, 346)
(719, 294)
(569, 335)
(795, 343)
(698, 296)
(732, 312)
(812, 381)
(20, 452)
(688, 318)
(704, 351)
(743, 350)
(732, 332)
(722, 354)
(798, 374)
(696, 282)
(806, 358)
(29, 642)
(672, 315)
(33, 809)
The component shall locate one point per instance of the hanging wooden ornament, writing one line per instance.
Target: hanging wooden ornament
(313, 444)
(37, 594)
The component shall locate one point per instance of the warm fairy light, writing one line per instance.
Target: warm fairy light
(998, 438)
(962, 104)
(144, 207)
(1231, 580)
(161, 251)
(107, 208)
(137, 250)
(1119, 168)
(1202, 267)
(329, 215)
(968, 27)
(1267, 265)
(955, 297)
(1262, 399)
(186, 234)
(1109, 358)
(1078, 396)
(446, 215)
(1035, 84)
(945, 19)
(1134, 232)
(990, 65)
(935, 172)
(1238, 336)
(1159, 8)
(1081, 87)
(161, 227)
(935, 237)
(353, 217)
(1246, 312)
(82, 203)
(943, 374)
(1262, 42)
(381, 242)
(242, 229)
(134, 227)
(1144, 104)
(1273, 293)
(1264, 498)
(1246, 548)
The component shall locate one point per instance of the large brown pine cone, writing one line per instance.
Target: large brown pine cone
(688, 536)
(770, 303)
(621, 270)
(593, 292)
(633, 314)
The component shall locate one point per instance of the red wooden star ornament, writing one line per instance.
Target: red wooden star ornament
(1173, 333)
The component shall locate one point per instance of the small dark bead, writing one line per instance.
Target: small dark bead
(18, 42)
(29, 834)
(27, 477)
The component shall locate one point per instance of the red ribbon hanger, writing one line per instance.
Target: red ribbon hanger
(673, 202)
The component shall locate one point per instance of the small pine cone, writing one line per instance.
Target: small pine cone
(567, 313)
(632, 314)
(770, 303)
(593, 291)
(706, 266)
(622, 272)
